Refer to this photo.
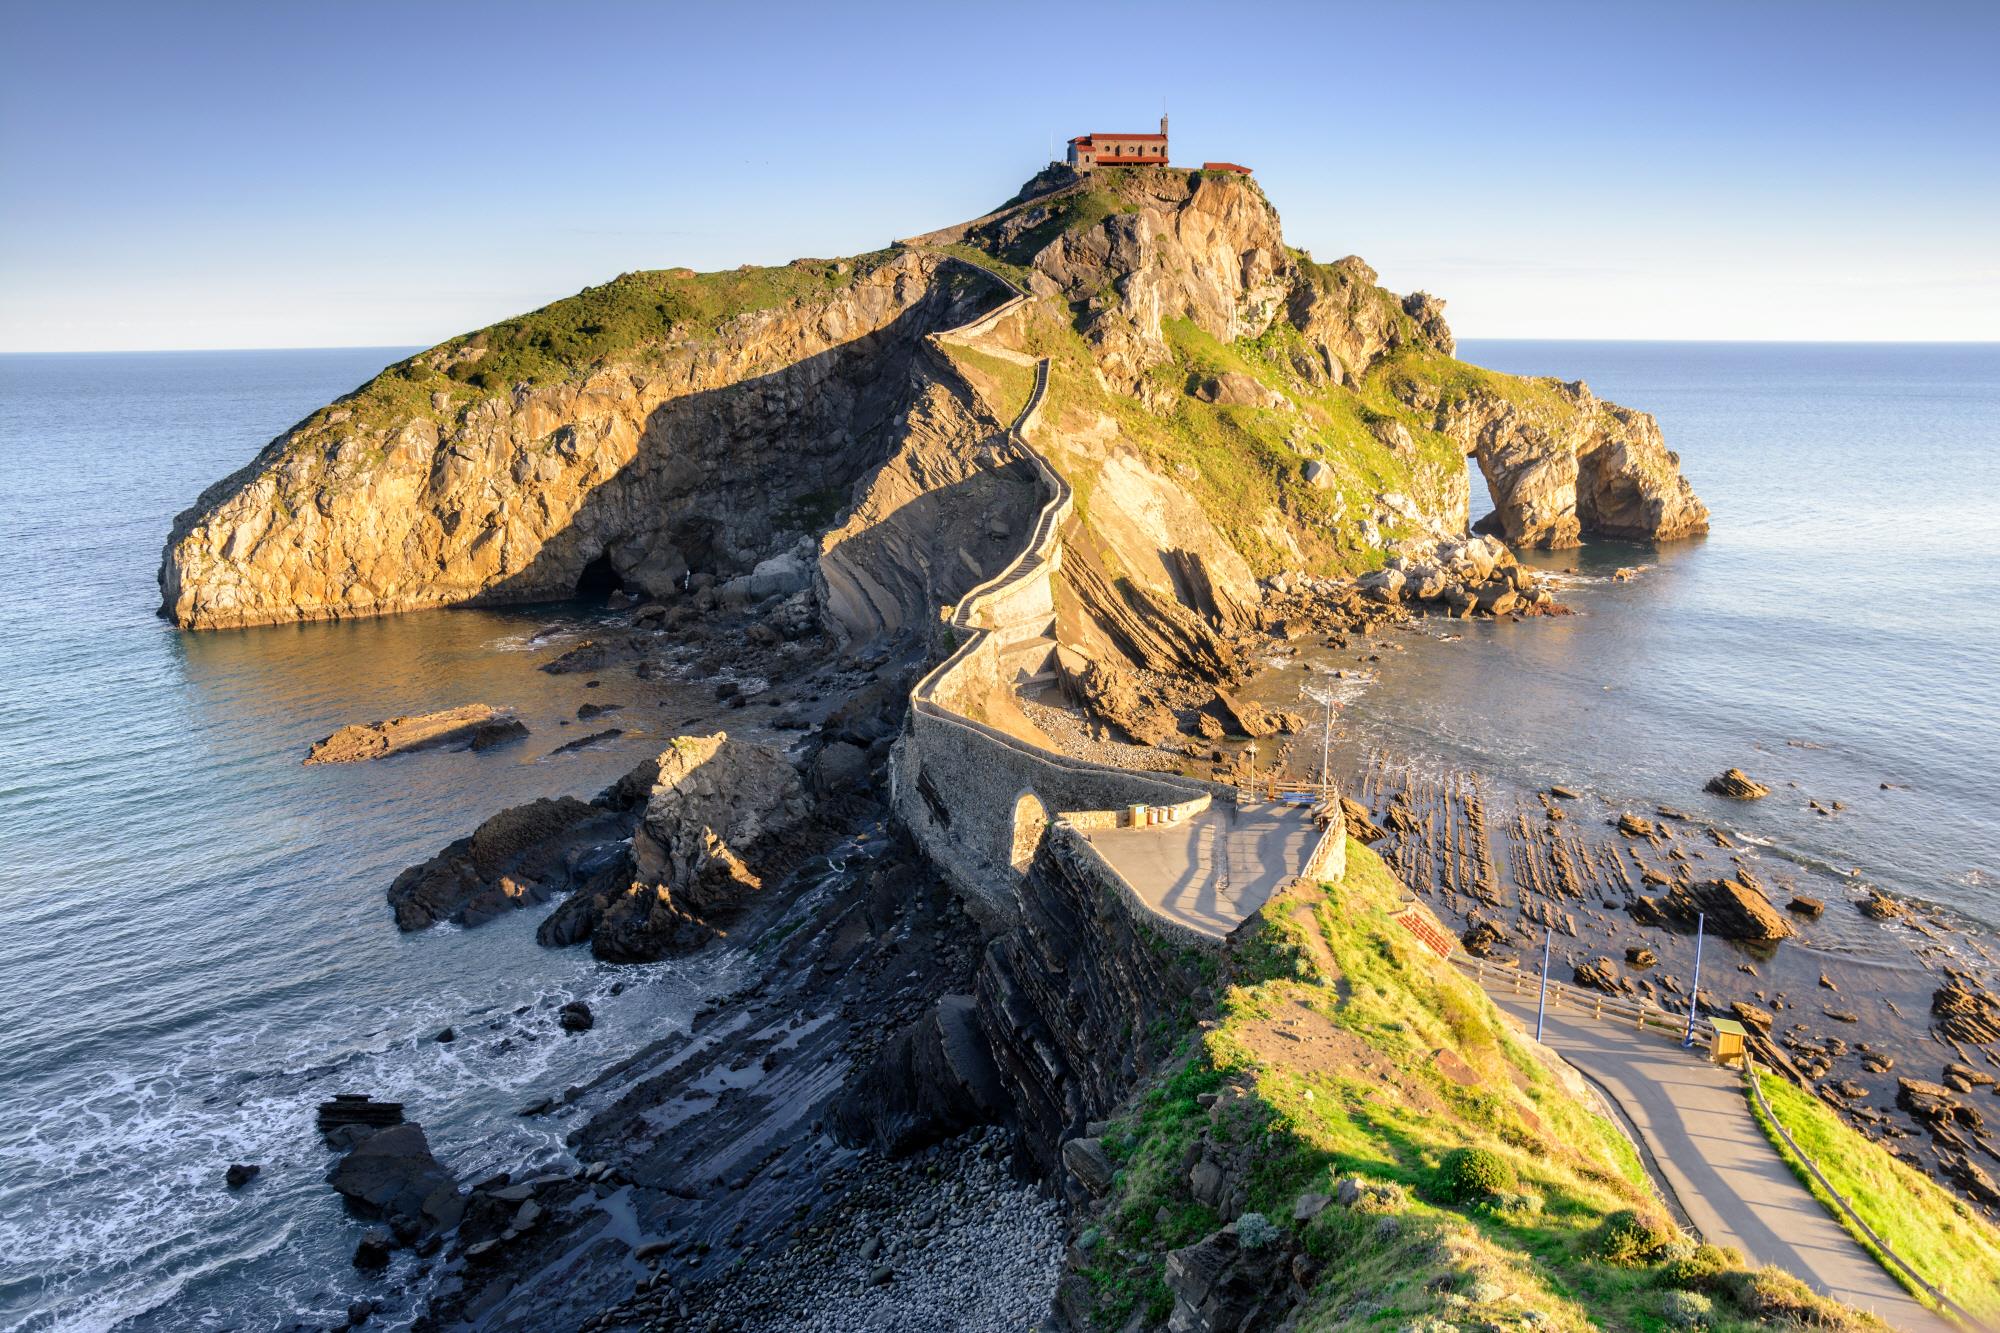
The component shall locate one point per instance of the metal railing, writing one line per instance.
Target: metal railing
(1845, 1210)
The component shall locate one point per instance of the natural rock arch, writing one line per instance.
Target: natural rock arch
(1031, 817)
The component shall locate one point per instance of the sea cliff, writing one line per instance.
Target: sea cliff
(1195, 441)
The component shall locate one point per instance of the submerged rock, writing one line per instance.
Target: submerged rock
(497, 733)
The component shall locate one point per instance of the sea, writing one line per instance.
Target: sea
(194, 943)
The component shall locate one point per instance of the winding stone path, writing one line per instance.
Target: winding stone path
(1694, 1119)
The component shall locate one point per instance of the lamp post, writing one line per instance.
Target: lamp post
(1542, 998)
(1324, 698)
(1694, 992)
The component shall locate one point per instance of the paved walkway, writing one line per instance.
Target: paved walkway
(1735, 1188)
(1216, 869)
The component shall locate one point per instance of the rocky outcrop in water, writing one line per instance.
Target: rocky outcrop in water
(475, 726)
(1562, 464)
(1734, 908)
(522, 856)
(1737, 785)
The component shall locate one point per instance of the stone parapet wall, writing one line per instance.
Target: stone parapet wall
(969, 792)
(1328, 858)
(1160, 816)
(1086, 862)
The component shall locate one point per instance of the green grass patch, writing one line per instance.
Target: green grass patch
(1006, 385)
(1936, 1232)
(1341, 1049)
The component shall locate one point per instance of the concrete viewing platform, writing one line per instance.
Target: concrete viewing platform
(1214, 870)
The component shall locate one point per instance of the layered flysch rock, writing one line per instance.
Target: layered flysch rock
(704, 447)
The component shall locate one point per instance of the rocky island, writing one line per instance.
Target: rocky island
(1003, 521)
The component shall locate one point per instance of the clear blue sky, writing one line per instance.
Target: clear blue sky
(317, 174)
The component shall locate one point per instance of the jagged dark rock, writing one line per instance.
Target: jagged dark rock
(522, 856)
(390, 1175)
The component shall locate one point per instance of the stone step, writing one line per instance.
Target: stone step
(1029, 662)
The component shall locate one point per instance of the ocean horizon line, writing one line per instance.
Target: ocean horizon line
(406, 348)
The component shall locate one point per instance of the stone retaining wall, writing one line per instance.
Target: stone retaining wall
(1328, 858)
(970, 793)
(1090, 863)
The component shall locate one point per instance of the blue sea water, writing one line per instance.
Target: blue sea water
(1838, 628)
(194, 946)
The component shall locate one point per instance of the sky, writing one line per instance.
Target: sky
(292, 174)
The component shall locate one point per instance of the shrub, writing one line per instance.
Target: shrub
(1631, 1239)
(1254, 1231)
(1469, 1175)
(1697, 1270)
(1687, 1309)
(1371, 1196)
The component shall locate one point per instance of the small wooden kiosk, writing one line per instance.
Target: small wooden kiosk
(1726, 1046)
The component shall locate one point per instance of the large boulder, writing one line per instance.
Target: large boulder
(391, 1176)
(714, 791)
(1734, 909)
(521, 856)
(1233, 388)
(1113, 696)
(1222, 1283)
(780, 576)
(717, 823)
(1247, 717)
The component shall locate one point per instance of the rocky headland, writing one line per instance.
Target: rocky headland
(965, 1076)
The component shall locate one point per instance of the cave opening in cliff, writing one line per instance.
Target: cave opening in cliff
(599, 579)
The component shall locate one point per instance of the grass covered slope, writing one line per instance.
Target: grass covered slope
(626, 319)
(1933, 1230)
(1473, 1186)
(1245, 464)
